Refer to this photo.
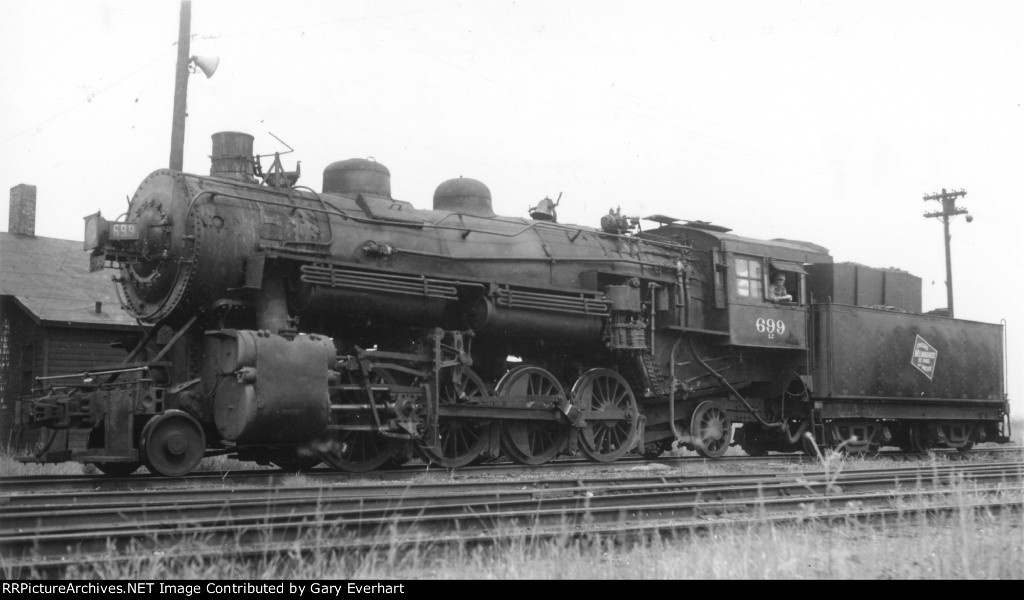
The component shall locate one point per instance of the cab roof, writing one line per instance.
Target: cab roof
(715, 235)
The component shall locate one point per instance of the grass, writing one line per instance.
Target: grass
(967, 544)
(964, 544)
(9, 467)
(12, 468)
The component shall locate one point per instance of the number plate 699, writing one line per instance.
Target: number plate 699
(124, 231)
(770, 326)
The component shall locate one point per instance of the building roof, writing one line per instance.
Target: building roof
(50, 278)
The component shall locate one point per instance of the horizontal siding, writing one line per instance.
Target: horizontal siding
(55, 351)
(74, 351)
(25, 347)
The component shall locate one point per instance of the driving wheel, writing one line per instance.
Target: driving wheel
(461, 441)
(363, 449)
(610, 429)
(531, 442)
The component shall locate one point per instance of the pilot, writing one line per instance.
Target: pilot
(777, 291)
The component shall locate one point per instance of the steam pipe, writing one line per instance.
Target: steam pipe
(682, 295)
(782, 425)
(718, 376)
(672, 391)
(652, 288)
(271, 303)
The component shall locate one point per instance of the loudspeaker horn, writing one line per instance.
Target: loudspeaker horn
(206, 64)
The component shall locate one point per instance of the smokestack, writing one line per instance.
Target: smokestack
(22, 218)
(232, 156)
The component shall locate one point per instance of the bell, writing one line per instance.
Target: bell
(545, 210)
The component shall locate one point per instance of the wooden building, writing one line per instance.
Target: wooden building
(56, 317)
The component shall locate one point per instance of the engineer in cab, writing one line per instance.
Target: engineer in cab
(777, 290)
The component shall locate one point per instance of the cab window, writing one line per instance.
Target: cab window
(749, 278)
(794, 274)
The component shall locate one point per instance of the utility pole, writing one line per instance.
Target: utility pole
(181, 88)
(949, 209)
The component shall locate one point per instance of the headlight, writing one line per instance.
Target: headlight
(95, 232)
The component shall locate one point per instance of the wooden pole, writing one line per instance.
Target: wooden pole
(181, 88)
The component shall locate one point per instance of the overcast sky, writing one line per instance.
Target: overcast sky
(819, 121)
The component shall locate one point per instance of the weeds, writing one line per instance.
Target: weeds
(964, 543)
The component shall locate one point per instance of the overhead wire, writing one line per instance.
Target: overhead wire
(697, 162)
(596, 100)
(89, 99)
(637, 110)
(434, 42)
(737, 141)
(319, 24)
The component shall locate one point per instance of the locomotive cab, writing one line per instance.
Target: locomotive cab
(752, 316)
(738, 275)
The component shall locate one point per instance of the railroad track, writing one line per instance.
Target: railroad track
(323, 476)
(51, 531)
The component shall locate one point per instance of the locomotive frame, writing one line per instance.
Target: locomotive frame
(293, 327)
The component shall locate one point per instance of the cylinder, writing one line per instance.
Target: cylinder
(232, 156)
(279, 389)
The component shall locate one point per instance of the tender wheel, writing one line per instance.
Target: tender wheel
(710, 429)
(858, 438)
(462, 441)
(958, 436)
(918, 438)
(97, 439)
(172, 444)
(610, 431)
(531, 442)
(359, 451)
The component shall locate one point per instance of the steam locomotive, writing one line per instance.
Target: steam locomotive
(291, 327)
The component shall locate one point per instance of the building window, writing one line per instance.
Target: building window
(749, 279)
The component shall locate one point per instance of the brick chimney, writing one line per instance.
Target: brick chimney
(23, 210)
